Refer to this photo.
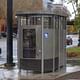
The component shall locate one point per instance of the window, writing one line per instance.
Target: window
(35, 20)
(57, 22)
(48, 22)
(23, 21)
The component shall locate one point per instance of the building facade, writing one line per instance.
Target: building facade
(18, 5)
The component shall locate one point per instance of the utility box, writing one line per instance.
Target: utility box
(41, 41)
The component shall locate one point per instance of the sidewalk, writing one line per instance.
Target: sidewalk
(15, 74)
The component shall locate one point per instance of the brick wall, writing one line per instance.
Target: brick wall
(21, 5)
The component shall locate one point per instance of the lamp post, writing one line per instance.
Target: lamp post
(9, 62)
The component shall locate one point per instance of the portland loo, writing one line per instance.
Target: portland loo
(41, 41)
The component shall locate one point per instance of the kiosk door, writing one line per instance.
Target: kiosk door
(29, 43)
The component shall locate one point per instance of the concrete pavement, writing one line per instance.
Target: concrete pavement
(14, 74)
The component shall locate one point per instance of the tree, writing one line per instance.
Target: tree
(77, 16)
(77, 23)
(76, 12)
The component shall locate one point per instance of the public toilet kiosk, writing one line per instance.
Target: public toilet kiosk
(41, 41)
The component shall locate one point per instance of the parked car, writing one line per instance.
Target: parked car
(69, 40)
(3, 34)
